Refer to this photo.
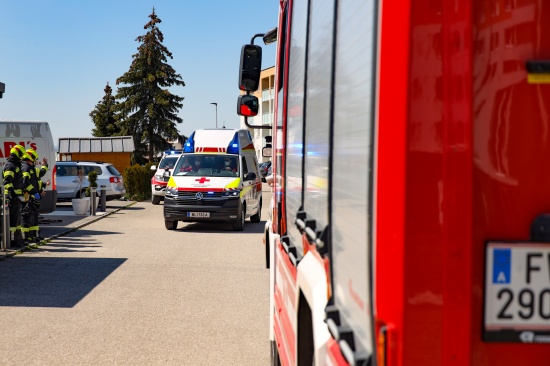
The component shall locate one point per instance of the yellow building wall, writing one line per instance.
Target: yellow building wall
(121, 160)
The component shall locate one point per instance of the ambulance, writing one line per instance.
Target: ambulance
(216, 179)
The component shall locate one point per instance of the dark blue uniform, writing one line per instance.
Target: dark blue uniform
(13, 191)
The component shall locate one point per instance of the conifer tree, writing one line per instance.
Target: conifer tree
(104, 115)
(148, 109)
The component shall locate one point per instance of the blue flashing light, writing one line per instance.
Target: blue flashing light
(189, 146)
(233, 147)
(172, 152)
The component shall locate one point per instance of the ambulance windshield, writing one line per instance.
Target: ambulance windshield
(207, 165)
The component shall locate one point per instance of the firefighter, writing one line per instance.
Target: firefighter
(13, 193)
(32, 198)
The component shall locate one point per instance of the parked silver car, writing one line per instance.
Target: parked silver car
(68, 182)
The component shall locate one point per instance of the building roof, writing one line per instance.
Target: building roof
(96, 144)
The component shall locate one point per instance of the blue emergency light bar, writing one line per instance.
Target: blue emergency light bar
(233, 147)
(190, 144)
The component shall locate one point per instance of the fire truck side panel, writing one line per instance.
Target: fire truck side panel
(312, 282)
(295, 129)
(351, 185)
(390, 175)
(288, 171)
(429, 195)
(511, 146)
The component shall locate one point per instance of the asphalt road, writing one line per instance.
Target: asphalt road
(123, 290)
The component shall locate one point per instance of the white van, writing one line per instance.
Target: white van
(226, 186)
(38, 136)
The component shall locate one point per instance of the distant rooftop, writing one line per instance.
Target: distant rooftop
(95, 144)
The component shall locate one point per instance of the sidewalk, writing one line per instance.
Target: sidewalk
(63, 221)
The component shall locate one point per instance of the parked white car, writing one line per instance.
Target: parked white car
(68, 183)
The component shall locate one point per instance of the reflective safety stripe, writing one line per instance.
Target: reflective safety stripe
(31, 228)
(18, 191)
(26, 174)
(25, 229)
(234, 184)
(9, 185)
(9, 173)
(29, 187)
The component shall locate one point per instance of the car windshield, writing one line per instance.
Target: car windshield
(207, 165)
(168, 162)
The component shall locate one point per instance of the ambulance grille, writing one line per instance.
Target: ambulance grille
(209, 198)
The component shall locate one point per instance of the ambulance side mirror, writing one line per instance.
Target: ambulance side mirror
(250, 176)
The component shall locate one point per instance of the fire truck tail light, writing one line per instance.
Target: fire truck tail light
(327, 271)
(383, 338)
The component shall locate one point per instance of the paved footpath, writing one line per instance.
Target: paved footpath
(123, 290)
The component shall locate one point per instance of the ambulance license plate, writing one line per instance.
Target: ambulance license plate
(198, 214)
(517, 292)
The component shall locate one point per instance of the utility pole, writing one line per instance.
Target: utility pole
(216, 104)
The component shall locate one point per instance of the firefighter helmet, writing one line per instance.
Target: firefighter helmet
(18, 151)
(33, 154)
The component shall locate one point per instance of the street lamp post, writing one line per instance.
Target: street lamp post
(216, 104)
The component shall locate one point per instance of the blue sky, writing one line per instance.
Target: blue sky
(57, 56)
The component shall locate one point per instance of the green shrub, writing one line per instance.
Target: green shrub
(137, 181)
(92, 178)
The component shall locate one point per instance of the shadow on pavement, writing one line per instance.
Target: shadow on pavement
(52, 282)
(220, 227)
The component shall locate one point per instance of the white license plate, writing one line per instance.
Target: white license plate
(198, 214)
(517, 292)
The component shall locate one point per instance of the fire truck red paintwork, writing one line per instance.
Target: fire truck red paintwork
(461, 139)
(462, 143)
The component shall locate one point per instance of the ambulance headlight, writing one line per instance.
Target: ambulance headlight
(235, 193)
(171, 191)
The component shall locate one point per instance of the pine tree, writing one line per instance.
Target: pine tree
(148, 109)
(104, 115)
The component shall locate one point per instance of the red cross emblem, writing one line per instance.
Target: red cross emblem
(202, 180)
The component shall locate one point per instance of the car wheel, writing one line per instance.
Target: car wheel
(156, 200)
(239, 224)
(170, 225)
(257, 217)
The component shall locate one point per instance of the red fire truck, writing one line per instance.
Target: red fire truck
(410, 224)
